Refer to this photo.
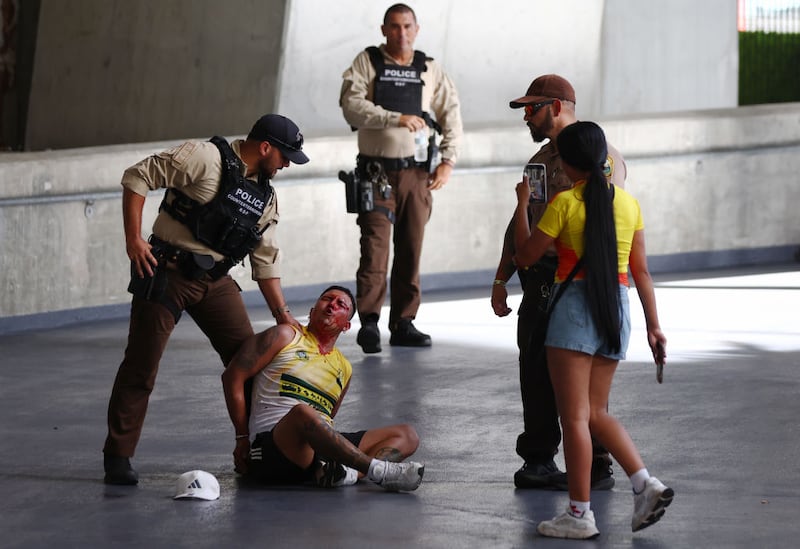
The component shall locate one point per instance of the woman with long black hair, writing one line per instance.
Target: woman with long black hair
(598, 232)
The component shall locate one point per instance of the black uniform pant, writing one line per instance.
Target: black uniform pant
(542, 433)
(411, 203)
(217, 308)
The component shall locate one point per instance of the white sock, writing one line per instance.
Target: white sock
(377, 470)
(638, 480)
(578, 508)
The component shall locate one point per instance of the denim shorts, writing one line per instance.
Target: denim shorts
(571, 325)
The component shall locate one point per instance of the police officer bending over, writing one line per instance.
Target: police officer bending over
(219, 207)
(390, 94)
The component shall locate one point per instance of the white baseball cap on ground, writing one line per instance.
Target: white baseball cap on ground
(197, 484)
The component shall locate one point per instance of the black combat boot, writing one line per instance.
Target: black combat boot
(369, 336)
(119, 471)
(404, 334)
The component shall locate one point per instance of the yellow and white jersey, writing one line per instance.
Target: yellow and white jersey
(298, 373)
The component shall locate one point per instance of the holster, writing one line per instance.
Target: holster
(374, 184)
(193, 265)
(537, 282)
(154, 288)
(190, 264)
(150, 288)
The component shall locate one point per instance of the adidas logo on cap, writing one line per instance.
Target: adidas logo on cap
(198, 485)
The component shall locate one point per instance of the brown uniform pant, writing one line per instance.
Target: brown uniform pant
(216, 307)
(412, 203)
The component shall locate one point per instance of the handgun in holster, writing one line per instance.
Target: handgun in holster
(150, 288)
(358, 191)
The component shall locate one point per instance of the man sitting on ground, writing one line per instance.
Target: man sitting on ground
(300, 379)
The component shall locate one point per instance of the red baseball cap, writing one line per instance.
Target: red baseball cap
(548, 86)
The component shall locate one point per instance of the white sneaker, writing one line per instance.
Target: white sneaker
(394, 477)
(569, 527)
(333, 475)
(649, 505)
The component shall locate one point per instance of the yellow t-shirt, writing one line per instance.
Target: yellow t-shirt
(298, 373)
(565, 218)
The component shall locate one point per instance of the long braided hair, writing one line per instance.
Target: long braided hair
(582, 145)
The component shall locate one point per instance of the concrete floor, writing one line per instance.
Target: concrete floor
(722, 431)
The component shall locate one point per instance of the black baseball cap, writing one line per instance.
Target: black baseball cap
(282, 133)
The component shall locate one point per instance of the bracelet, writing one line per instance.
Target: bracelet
(498, 282)
(242, 436)
(448, 162)
(278, 310)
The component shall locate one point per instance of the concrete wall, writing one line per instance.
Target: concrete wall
(623, 57)
(667, 56)
(492, 52)
(716, 185)
(717, 189)
(115, 71)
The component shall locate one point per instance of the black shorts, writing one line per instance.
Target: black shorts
(269, 466)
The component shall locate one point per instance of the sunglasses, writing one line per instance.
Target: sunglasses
(531, 110)
(297, 146)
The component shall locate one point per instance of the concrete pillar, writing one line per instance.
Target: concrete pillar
(115, 71)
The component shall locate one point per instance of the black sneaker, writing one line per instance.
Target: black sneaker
(369, 336)
(332, 475)
(602, 474)
(405, 334)
(602, 477)
(542, 476)
(119, 471)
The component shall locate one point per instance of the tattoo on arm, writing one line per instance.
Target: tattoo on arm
(253, 349)
(265, 340)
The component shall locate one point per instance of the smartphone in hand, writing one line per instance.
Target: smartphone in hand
(535, 175)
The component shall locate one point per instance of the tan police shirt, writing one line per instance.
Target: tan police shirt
(378, 131)
(557, 181)
(195, 168)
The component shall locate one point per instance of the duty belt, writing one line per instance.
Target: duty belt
(392, 164)
(173, 254)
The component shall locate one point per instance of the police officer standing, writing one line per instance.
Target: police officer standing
(390, 94)
(218, 208)
(549, 107)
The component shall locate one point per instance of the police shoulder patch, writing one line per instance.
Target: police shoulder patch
(182, 153)
(608, 167)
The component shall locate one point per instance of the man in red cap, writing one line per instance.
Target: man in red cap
(218, 208)
(549, 105)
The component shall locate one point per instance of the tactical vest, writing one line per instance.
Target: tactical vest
(398, 87)
(228, 223)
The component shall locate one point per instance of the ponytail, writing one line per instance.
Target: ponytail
(583, 146)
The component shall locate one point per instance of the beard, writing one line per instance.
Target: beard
(542, 132)
(266, 168)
